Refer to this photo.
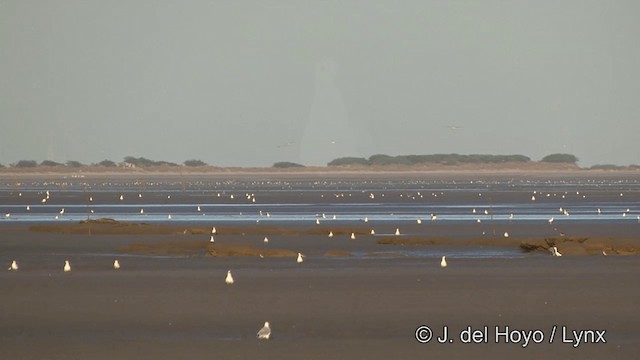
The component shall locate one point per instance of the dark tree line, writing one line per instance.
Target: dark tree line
(137, 162)
(445, 159)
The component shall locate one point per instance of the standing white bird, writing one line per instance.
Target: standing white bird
(213, 230)
(265, 332)
(373, 232)
(330, 234)
(554, 251)
(317, 221)
(353, 236)
(14, 266)
(266, 240)
(67, 266)
(116, 264)
(229, 278)
(551, 220)
(121, 197)
(366, 219)
(212, 239)
(506, 234)
(169, 216)
(419, 221)
(141, 211)
(299, 259)
(443, 262)
(397, 231)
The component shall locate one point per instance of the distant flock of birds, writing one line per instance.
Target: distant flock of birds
(265, 331)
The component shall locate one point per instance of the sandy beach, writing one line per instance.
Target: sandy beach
(169, 300)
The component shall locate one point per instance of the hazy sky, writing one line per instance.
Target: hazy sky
(249, 83)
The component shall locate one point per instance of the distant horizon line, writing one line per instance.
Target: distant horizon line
(445, 159)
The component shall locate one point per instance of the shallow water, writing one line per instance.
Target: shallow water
(384, 203)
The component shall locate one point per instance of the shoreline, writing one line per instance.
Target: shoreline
(554, 170)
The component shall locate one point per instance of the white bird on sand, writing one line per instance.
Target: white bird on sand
(229, 278)
(116, 264)
(604, 253)
(373, 232)
(434, 217)
(212, 239)
(551, 220)
(353, 236)
(419, 221)
(299, 259)
(67, 266)
(213, 230)
(266, 240)
(478, 221)
(265, 332)
(533, 198)
(330, 233)
(554, 251)
(139, 195)
(317, 221)
(121, 197)
(397, 231)
(506, 234)
(366, 219)
(14, 266)
(443, 262)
